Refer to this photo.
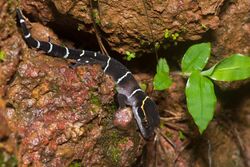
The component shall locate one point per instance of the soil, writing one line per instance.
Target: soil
(54, 115)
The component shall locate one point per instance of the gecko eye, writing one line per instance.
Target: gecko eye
(151, 113)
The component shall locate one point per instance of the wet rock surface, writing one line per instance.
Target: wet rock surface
(232, 36)
(53, 115)
(57, 114)
(135, 22)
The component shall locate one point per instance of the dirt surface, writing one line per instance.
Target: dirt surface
(54, 115)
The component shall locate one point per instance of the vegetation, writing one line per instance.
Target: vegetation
(171, 36)
(200, 95)
(2, 56)
(75, 164)
(96, 18)
(129, 56)
(143, 86)
(162, 80)
(7, 160)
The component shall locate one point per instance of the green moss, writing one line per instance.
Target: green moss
(7, 160)
(114, 135)
(55, 88)
(94, 99)
(107, 121)
(111, 108)
(114, 153)
(110, 142)
(75, 164)
(12, 5)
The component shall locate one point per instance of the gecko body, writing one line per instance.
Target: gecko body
(129, 92)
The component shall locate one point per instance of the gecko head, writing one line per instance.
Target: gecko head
(146, 117)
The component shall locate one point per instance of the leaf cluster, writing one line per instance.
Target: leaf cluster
(129, 56)
(199, 91)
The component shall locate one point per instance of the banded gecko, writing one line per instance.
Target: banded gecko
(129, 92)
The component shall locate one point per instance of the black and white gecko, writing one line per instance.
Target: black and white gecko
(129, 92)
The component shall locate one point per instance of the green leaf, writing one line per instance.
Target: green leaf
(235, 67)
(2, 55)
(201, 99)
(167, 34)
(162, 80)
(196, 57)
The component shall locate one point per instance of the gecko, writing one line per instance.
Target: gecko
(129, 92)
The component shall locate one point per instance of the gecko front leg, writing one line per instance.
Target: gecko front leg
(122, 100)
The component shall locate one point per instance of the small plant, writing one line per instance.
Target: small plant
(170, 35)
(157, 45)
(167, 34)
(175, 36)
(182, 137)
(95, 15)
(2, 56)
(204, 26)
(80, 27)
(200, 95)
(143, 86)
(129, 56)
